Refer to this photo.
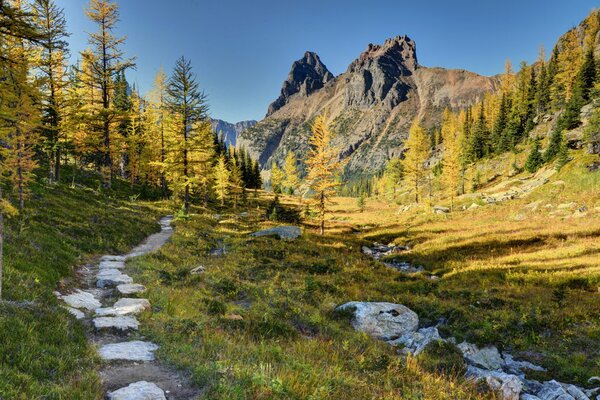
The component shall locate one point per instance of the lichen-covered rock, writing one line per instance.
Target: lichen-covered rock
(553, 390)
(141, 390)
(385, 321)
(81, 299)
(415, 342)
(507, 385)
(131, 288)
(124, 306)
(486, 358)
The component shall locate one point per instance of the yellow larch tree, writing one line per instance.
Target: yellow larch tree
(417, 150)
(222, 179)
(570, 58)
(277, 178)
(451, 158)
(290, 170)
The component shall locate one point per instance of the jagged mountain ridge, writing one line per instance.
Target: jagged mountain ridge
(371, 105)
(230, 131)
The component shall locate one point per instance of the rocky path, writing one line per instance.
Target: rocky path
(108, 302)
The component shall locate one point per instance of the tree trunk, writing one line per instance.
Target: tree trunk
(1, 244)
(186, 196)
(322, 210)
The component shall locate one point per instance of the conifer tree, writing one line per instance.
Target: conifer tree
(52, 64)
(277, 177)
(554, 144)
(393, 175)
(106, 62)
(542, 96)
(157, 131)
(236, 182)
(290, 170)
(256, 178)
(190, 146)
(479, 139)
(569, 60)
(324, 167)
(535, 159)
(451, 159)
(417, 150)
(222, 179)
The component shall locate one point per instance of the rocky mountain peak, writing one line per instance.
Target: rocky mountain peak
(307, 75)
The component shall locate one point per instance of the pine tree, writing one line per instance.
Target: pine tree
(542, 94)
(256, 178)
(290, 170)
(554, 144)
(393, 175)
(563, 156)
(479, 139)
(586, 78)
(499, 124)
(236, 183)
(535, 159)
(323, 166)
(158, 105)
(191, 147)
(222, 179)
(417, 150)
(106, 62)
(277, 177)
(451, 159)
(52, 65)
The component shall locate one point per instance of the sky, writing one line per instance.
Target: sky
(242, 50)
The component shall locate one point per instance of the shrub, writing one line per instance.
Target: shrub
(442, 358)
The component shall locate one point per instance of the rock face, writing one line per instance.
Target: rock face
(306, 76)
(284, 232)
(371, 105)
(138, 391)
(385, 321)
(230, 131)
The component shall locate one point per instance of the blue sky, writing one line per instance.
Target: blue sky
(241, 50)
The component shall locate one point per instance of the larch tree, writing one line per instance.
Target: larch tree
(568, 63)
(157, 108)
(324, 168)
(290, 170)
(451, 159)
(106, 61)
(417, 150)
(277, 178)
(191, 145)
(236, 182)
(222, 179)
(54, 51)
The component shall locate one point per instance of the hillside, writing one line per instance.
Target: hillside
(230, 131)
(370, 105)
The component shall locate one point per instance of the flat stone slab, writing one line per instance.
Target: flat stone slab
(76, 313)
(111, 264)
(124, 307)
(111, 277)
(120, 323)
(141, 390)
(130, 351)
(131, 288)
(284, 232)
(109, 257)
(81, 299)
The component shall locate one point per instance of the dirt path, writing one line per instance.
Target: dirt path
(107, 302)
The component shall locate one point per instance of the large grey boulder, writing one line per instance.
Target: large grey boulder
(81, 299)
(130, 351)
(141, 390)
(508, 386)
(486, 358)
(284, 232)
(385, 321)
(124, 306)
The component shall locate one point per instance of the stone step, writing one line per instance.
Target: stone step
(81, 299)
(111, 277)
(109, 257)
(141, 390)
(120, 323)
(124, 306)
(128, 351)
(110, 264)
(75, 312)
(131, 288)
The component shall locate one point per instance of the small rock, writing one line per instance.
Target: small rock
(125, 306)
(109, 264)
(76, 313)
(415, 342)
(441, 210)
(131, 288)
(198, 270)
(121, 323)
(233, 317)
(385, 321)
(473, 206)
(112, 258)
(111, 277)
(284, 232)
(567, 206)
(141, 390)
(509, 386)
(81, 299)
(487, 357)
(131, 351)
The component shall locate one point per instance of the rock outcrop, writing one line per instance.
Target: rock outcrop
(385, 321)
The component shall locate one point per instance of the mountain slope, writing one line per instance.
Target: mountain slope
(231, 130)
(370, 106)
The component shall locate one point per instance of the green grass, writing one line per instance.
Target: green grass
(43, 349)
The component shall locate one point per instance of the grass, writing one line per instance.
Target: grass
(44, 353)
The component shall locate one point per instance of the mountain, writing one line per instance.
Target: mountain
(229, 130)
(370, 106)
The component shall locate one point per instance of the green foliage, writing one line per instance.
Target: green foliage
(442, 358)
(535, 159)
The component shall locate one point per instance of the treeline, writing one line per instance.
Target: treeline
(87, 115)
(501, 121)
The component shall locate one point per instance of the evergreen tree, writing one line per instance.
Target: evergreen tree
(499, 124)
(222, 179)
(479, 139)
(535, 159)
(587, 76)
(256, 178)
(323, 166)
(417, 150)
(451, 158)
(554, 145)
(277, 177)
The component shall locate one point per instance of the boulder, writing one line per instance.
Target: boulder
(441, 210)
(385, 321)
(553, 390)
(415, 342)
(284, 232)
(198, 270)
(81, 299)
(120, 323)
(131, 288)
(124, 306)
(141, 390)
(516, 367)
(508, 386)
(486, 358)
(473, 206)
(129, 351)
